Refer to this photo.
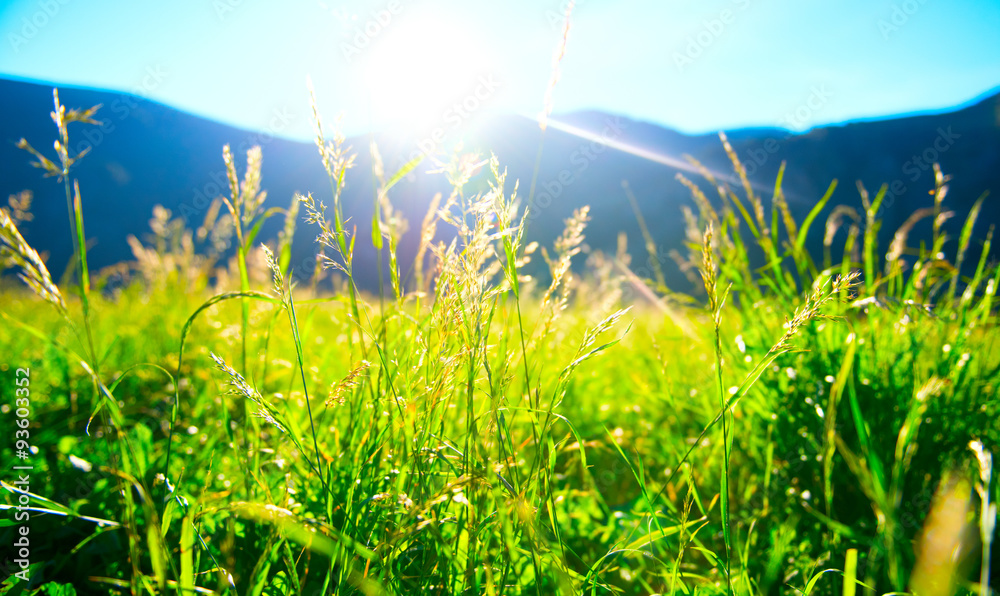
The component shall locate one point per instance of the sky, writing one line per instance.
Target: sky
(694, 65)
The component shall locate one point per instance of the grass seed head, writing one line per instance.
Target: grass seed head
(241, 388)
(276, 275)
(19, 207)
(15, 251)
(340, 389)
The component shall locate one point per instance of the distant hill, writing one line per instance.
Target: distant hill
(148, 154)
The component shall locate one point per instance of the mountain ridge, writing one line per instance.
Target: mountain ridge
(149, 153)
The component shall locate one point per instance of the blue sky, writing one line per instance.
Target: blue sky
(695, 65)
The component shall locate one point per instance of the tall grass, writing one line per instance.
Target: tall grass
(483, 431)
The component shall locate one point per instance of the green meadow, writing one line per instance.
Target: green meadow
(204, 421)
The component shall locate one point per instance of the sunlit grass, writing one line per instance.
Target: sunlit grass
(213, 427)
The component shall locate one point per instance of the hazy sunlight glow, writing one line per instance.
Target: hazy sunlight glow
(420, 68)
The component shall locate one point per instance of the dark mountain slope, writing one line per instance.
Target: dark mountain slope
(148, 154)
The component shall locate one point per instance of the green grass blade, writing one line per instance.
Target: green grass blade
(800, 239)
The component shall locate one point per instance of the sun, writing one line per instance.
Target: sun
(418, 70)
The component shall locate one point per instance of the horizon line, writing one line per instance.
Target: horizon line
(975, 100)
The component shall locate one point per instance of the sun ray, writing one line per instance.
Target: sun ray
(648, 154)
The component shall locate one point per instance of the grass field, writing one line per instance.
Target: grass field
(202, 421)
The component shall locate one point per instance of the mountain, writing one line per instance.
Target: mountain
(147, 154)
